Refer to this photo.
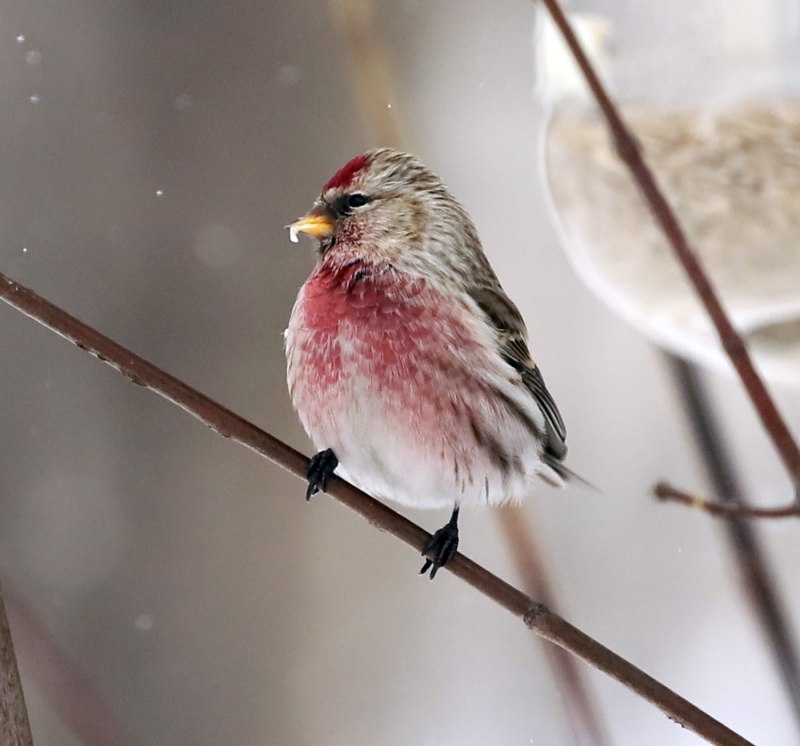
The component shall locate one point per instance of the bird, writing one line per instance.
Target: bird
(407, 363)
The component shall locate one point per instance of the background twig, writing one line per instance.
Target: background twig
(734, 346)
(369, 68)
(65, 688)
(364, 48)
(666, 492)
(535, 615)
(755, 575)
(15, 730)
(586, 721)
(752, 565)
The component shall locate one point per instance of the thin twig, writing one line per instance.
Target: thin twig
(364, 48)
(536, 616)
(15, 730)
(369, 68)
(732, 343)
(64, 687)
(586, 721)
(755, 575)
(668, 493)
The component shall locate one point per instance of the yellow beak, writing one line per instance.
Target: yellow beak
(318, 224)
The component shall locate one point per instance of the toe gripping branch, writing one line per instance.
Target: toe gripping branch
(441, 547)
(320, 468)
(438, 550)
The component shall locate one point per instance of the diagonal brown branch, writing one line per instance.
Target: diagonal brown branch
(732, 343)
(536, 616)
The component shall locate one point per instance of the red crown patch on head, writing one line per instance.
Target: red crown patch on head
(347, 173)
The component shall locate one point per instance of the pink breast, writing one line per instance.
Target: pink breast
(398, 327)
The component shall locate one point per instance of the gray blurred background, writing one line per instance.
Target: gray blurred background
(169, 586)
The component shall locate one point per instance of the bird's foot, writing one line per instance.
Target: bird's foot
(441, 547)
(322, 465)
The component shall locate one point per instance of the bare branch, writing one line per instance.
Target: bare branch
(732, 343)
(535, 615)
(63, 686)
(15, 730)
(586, 718)
(755, 574)
(668, 493)
(369, 68)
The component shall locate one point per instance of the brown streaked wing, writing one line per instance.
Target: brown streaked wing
(513, 342)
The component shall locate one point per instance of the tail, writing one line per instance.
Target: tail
(564, 473)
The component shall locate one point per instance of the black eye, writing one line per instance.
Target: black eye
(356, 200)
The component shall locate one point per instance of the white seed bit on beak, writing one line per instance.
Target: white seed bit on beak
(293, 234)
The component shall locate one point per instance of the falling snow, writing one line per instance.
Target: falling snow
(288, 76)
(144, 622)
(184, 102)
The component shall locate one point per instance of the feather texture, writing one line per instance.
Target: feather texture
(405, 356)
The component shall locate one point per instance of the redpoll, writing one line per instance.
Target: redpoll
(407, 363)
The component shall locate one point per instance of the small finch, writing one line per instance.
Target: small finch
(406, 361)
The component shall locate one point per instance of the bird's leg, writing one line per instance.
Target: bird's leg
(441, 547)
(320, 468)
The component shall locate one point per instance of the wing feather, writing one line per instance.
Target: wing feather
(512, 339)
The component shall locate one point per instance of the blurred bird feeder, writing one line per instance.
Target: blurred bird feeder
(712, 91)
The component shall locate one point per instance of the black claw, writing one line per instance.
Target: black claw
(322, 465)
(441, 547)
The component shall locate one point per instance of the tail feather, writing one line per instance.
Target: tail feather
(566, 473)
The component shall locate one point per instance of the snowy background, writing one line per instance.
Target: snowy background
(151, 154)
